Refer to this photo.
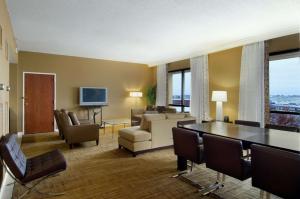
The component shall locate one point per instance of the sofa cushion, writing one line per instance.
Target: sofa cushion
(147, 118)
(65, 120)
(175, 115)
(73, 118)
(134, 134)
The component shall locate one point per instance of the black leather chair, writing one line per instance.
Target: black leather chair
(24, 170)
(188, 145)
(225, 156)
(247, 123)
(186, 122)
(276, 171)
(283, 128)
(246, 145)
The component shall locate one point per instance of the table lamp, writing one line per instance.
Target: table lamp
(219, 97)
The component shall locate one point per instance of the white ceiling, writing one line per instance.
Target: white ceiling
(148, 31)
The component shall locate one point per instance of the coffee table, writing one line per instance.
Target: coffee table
(115, 122)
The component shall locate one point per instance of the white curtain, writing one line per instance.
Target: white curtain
(251, 105)
(161, 88)
(200, 89)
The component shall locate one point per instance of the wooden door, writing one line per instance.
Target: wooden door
(39, 103)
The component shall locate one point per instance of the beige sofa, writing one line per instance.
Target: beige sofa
(155, 132)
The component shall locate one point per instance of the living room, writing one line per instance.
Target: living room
(117, 51)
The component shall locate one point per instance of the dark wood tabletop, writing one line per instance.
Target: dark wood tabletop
(269, 137)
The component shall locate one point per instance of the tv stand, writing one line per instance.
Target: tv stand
(93, 108)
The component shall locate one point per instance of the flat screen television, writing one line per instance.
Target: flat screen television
(92, 96)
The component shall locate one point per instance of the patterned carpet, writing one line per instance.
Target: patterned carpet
(105, 172)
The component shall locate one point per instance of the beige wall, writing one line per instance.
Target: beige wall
(284, 43)
(73, 72)
(13, 106)
(7, 37)
(183, 64)
(224, 71)
(224, 74)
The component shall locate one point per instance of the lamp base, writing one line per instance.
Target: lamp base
(219, 111)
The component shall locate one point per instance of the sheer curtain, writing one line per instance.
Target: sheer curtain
(161, 88)
(200, 88)
(251, 105)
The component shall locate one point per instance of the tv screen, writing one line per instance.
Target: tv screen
(93, 96)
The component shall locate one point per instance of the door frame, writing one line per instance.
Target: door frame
(23, 97)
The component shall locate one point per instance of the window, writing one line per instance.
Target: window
(284, 80)
(179, 83)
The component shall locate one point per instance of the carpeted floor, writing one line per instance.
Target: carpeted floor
(105, 172)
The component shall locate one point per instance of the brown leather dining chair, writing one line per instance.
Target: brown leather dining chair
(276, 171)
(188, 144)
(35, 169)
(225, 156)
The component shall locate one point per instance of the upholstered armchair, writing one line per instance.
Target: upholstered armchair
(77, 133)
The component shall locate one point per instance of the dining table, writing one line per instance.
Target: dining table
(284, 140)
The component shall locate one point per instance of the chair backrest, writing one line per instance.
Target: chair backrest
(65, 121)
(247, 123)
(188, 144)
(283, 128)
(74, 118)
(12, 155)
(224, 155)
(56, 116)
(276, 171)
(182, 123)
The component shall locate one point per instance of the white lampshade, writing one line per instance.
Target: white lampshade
(135, 94)
(219, 96)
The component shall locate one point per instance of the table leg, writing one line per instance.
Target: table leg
(104, 128)
(112, 130)
(181, 163)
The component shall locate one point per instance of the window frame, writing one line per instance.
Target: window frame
(283, 55)
(279, 55)
(182, 72)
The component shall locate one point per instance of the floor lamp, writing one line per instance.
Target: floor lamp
(135, 94)
(219, 97)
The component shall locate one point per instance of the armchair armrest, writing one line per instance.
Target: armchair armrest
(82, 133)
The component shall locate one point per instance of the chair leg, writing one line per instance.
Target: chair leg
(97, 142)
(33, 188)
(120, 146)
(181, 176)
(71, 146)
(217, 185)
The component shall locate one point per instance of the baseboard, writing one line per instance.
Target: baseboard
(7, 185)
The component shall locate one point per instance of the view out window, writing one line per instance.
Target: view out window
(285, 89)
(179, 83)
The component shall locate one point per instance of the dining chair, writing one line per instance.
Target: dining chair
(246, 145)
(188, 145)
(275, 171)
(283, 128)
(225, 156)
(185, 122)
(247, 123)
